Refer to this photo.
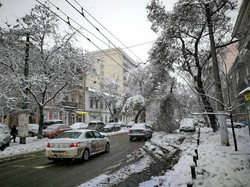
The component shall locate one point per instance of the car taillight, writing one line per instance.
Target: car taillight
(142, 131)
(48, 145)
(129, 131)
(74, 145)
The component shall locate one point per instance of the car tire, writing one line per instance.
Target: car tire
(131, 139)
(30, 134)
(8, 144)
(107, 148)
(85, 155)
(238, 126)
(2, 148)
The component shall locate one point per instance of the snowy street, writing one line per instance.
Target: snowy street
(158, 162)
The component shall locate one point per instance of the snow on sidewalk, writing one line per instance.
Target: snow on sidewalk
(218, 165)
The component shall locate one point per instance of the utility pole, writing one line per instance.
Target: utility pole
(218, 90)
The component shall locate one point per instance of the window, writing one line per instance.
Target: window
(89, 135)
(97, 135)
(91, 103)
(101, 104)
(55, 115)
(96, 103)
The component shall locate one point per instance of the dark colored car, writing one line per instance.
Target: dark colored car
(111, 127)
(140, 131)
(96, 125)
(54, 130)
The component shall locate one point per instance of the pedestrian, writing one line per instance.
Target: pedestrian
(13, 133)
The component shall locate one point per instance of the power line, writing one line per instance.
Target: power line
(107, 30)
(83, 35)
(77, 23)
(81, 13)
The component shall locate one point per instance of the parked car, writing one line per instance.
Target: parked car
(122, 124)
(139, 131)
(96, 125)
(111, 127)
(79, 125)
(235, 124)
(54, 130)
(187, 125)
(4, 136)
(151, 124)
(130, 124)
(33, 129)
(77, 144)
(51, 122)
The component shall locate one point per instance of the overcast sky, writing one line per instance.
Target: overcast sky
(126, 19)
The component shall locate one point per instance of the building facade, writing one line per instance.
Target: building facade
(239, 73)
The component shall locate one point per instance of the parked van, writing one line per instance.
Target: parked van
(4, 136)
(96, 125)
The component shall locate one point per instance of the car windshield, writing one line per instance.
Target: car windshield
(138, 126)
(70, 135)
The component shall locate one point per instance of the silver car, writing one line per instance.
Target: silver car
(77, 144)
(139, 131)
(4, 136)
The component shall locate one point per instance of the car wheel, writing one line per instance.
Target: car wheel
(8, 144)
(107, 148)
(2, 148)
(238, 126)
(131, 139)
(85, 155)
(30, 134)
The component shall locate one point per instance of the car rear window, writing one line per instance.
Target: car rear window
(70, 135)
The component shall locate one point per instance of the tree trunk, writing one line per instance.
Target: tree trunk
(138, 114)
(206, 102)
(40, 129)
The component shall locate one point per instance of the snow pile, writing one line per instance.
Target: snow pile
(217, 165)
(32, 145)
(222, 165)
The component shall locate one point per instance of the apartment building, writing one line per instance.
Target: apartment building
(112, 66)
(239, 73)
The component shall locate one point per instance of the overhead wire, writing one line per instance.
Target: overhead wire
(82, 13)
(125, 47)
(67, 22)
(77, 23)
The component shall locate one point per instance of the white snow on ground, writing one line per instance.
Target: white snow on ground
(217, 165)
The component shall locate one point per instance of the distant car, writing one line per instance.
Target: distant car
(130, 124)
(33, 129)
(122, 124)
(96, 125)
(54, 130)
(235, 124)
(111, 127)
(51, 122)
(79, 125)
(151, 124)
(77, 144)
(4, 136)
(187, 125)
(139, 131)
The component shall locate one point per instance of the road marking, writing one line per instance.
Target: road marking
(42, 167)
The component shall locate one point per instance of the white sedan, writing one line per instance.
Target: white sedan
(77, 144)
